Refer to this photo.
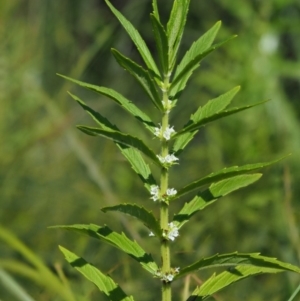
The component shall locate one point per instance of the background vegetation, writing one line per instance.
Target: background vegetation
(52, 174)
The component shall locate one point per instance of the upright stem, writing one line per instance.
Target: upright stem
(164, 205)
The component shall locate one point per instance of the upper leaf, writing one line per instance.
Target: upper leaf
(175, 28)
(119, 99)
(198, 47)
(121, 138)
(138, 165)
(140, 213)
(210, 195)
(222, 174)
(211, 108)
(98, 118)
(194, 63)
(141, 75)
(136, 38)
(191, 127)
(105, 284)
(240, 266)
(161, 43)
(120, 241)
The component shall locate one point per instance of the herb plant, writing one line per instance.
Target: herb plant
(164, 84)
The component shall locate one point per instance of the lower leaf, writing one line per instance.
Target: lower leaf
(241, 266)
(103, 282)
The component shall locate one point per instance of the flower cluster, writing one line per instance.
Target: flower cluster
(166, 134)
(171, 192)
(155, 193)
(172, 232)
(168, 159)
(167, 277)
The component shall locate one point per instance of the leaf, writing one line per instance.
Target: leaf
(141, 75)
(103, 282)
(222, 174)
(132, 155)
(175, 27)
(140, 213)
(211, 108)
(119, 241)
(122, 138)
(98, 118)
(136, 38)
(138, 165)
(155, 9)
(198, 47)
(161, 43)
(195, 126)
(119, 99)
(212, 194)
(187, 71)
(244, 265)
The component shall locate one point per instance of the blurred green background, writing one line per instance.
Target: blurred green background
(53, 174)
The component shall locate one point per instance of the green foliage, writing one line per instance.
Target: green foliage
(164, 87)
(52, 174)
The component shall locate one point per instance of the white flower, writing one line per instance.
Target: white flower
(177, 269)
(151, 234)
(169, 159)
(166, 134)
(154, 191)
(168, 277)
(171, 192)
(173, 231)
(157, 132)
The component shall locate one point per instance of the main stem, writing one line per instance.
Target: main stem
(164, 205)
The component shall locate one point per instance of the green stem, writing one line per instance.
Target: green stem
(164, 205)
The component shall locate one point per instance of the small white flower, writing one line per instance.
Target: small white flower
(177, 269)
(173, 231)
(157, 132)
(166, 134)
(169, 277)
(151, 234)
(168, 159)
(171, 192)
(154, 191)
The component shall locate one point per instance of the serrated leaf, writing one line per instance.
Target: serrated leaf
(121, 138)
(119, 99)
(119, 241)
(198, 47)
(137, 39)
(161, 43)
(98, 118)
(212, 194)
(141, 75)
(105, 284)
(195, 126)
(243, 266)
(175, 27)
(193, 63)
(138, 165)
(146, 217)
(223, 174)
(237, 259)
(211, 108)
(132, 155)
